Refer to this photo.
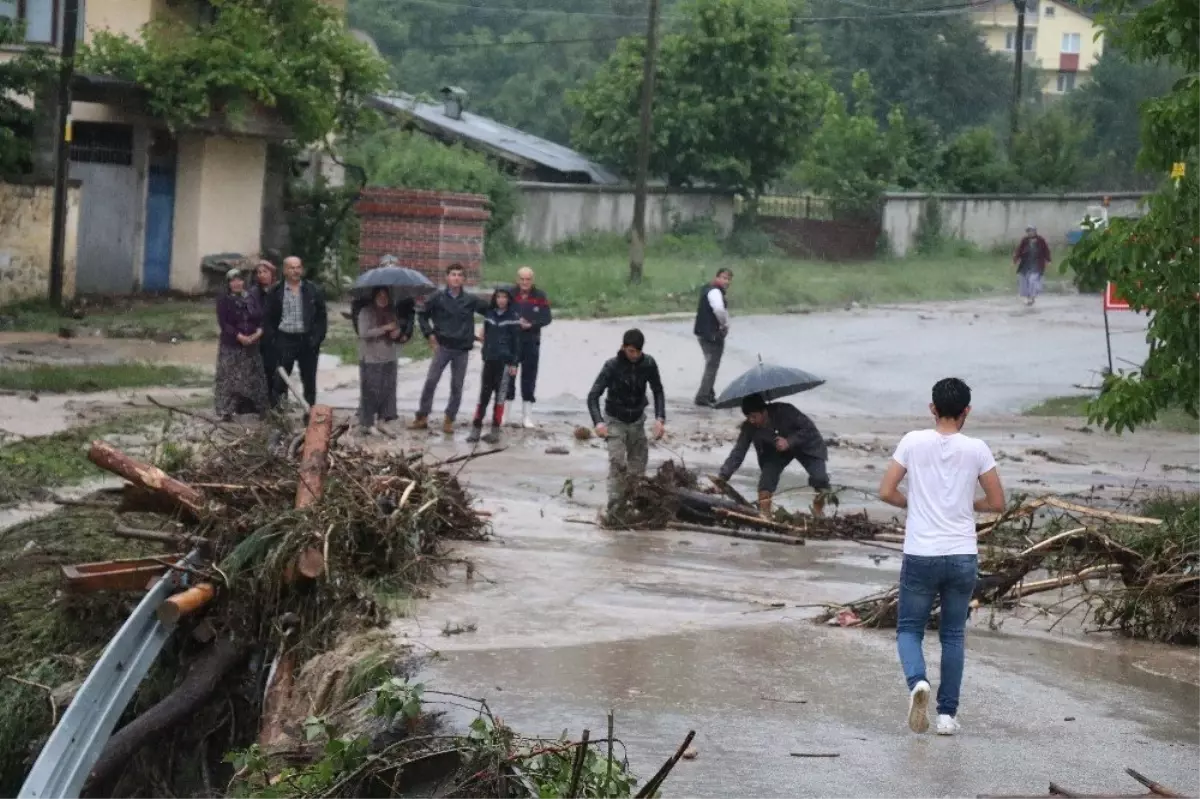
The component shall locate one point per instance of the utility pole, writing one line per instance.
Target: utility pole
(637, 246)
(70, 24)
(1018, 66)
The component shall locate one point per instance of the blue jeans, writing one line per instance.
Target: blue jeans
(923, 582)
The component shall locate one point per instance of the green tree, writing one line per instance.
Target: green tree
(851, 158)
(19, 79)
(974, 162)
(1047, 152)
(1155, 259)
(736, 97)
(294, 56)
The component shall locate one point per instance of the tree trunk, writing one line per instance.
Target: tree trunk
(151, 478)
(315, 455)
(178, 706)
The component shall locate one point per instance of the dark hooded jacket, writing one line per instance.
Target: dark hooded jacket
(451, 319)
(626, 382)
(785, 421)
(501, 333)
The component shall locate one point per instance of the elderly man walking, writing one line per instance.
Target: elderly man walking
(712, 325)
(1031, 257)
(533, 308)
(296, 313)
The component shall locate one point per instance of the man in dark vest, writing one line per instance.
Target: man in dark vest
(712, 325)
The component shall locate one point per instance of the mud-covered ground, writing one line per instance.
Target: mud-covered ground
(675, 630)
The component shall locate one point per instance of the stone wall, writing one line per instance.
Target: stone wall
(26, 214)
(998, 220)
(426, 230)
(555, 212)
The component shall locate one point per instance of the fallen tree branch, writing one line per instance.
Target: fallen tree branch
(652, 786)
(725, 531)
(1112, 516)
(49, 695)
(145, 476)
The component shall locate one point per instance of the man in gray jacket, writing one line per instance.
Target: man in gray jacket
(448, 321)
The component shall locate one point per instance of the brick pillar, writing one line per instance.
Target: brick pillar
(426, 230)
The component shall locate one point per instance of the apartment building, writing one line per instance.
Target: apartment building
(1060, 41)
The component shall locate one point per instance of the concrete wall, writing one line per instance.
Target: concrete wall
(992, 220)
(26, 214)
(218, 202)
(554, 212)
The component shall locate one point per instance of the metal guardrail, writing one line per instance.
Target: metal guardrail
(76, 743)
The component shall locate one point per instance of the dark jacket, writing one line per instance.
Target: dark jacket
(1039, 256)
(451, 319)
(708, 326)
(626, 382)
(535, 307)
(237, 316)
(782, 420)
(502, 335)
(313, 301)
(405, 312)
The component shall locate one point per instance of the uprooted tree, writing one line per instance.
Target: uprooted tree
(1154, 260)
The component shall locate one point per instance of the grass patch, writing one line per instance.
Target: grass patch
(590, 279)
(32, 465)
(344, 344)
(1172, 420)
(48, 637)
(149, 317)
(76, 379)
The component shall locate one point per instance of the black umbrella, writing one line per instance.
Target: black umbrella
(400, 280)
(771, 381)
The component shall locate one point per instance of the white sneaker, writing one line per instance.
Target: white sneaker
(947, 725)
(918, 707)
(527, 416)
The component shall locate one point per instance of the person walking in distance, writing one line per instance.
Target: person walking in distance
(1031, 257)
(624, 380)
(297, 317)
(501, 351)
(448, 321)
(711, 328)
(941, 558)
(533, 308)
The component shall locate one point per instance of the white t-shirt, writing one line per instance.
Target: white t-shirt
(942, 474)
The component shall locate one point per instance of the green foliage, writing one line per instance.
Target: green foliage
(414, 161)
(20, 76)
(974, 163)
(1089, 273)
(294, 56)
(1048, 152)
(323, 228)
(736, 97)
(48, 379)
(398, 700)
(852, 159)
(1155, 259)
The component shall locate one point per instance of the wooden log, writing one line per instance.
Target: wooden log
(747, 536)
(756, 521)
(1111, 516)
(151, 478)
(162, 536)
(314, 458)
(1156, 788)
(283, 680)
(112, 575)
(177, 707)
(176, 607)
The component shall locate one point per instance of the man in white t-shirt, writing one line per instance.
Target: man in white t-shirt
(941, 557)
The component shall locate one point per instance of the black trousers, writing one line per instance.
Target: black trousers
(771, 469)
(296, 349)
(531, 351)
(495, 381)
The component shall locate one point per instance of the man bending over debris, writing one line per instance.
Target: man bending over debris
(780, 434)
(623, 424)
(941, 558)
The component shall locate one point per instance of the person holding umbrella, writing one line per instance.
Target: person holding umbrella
(780, 434)
(379, 332)
(404, 285)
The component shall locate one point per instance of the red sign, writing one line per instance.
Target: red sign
(1112, 300)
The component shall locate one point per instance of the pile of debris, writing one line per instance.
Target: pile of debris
(672, 498)
(1136, 574)
(285, 557)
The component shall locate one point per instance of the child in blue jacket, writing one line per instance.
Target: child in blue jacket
(501, 354)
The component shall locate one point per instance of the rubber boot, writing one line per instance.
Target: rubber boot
(476, 432)
(764, 504)
(527, 415)
(493, 436)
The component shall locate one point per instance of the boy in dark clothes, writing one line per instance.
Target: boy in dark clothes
(501, 354)
(780, 434)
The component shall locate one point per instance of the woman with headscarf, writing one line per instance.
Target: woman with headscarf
(241, 381)
(265, 278)
(379, 332)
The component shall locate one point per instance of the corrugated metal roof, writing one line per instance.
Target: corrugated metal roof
(501, 137)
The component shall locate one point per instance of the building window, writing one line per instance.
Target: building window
(1070, 43)
(1048, 11)
(1010, 39)
(40, 18)
(1066, 82)
(102, 143)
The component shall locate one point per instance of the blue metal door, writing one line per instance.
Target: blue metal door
(160, 218)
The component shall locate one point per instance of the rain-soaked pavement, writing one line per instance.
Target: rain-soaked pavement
(676, 631)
